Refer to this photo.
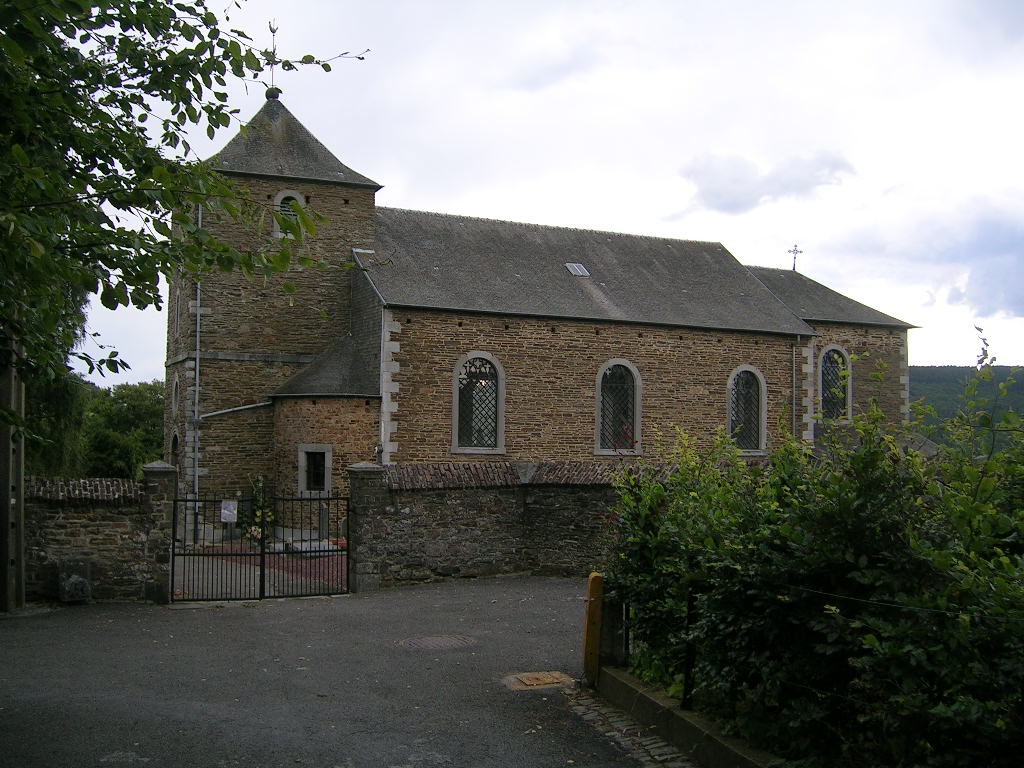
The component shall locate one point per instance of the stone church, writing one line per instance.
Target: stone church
(422, 338)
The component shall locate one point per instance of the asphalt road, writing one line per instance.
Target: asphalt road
(352, 682)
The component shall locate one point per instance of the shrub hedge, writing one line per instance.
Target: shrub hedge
(858, 605)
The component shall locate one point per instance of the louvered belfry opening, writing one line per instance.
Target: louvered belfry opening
(833, 385)
(285, 207)
(478, 404)
(618, 393)
(745, 411)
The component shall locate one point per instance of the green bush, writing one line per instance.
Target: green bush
(859, 605)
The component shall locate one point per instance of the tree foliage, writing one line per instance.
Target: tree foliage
(55, 417)
(76, 429)
(862, 605)
(124, 430)
(944, 388)
(97, 179)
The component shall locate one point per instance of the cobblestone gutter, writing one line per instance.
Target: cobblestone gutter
(694, 738)
(632, 737)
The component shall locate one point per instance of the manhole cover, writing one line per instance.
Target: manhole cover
(437, 642)
(531, 681)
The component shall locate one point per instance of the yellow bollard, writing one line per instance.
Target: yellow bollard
(592, 628)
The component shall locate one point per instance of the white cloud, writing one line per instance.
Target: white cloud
(735, 185)
(883, 138)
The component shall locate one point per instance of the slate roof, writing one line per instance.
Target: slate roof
(429, 260)
(275, 144)
(337, 371)
(813, 301)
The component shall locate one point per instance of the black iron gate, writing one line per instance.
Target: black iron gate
(245, 549)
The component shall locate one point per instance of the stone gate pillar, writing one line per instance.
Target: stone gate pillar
(368, 493)
(160, 484)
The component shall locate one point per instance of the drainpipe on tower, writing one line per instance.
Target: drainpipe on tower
(195, 405)
(195, 400)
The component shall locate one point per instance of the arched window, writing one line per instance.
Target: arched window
(835, 384)
(478, 411)
(283, 206)
(618, 408)
(747, 405)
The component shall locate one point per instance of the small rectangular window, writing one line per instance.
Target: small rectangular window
(575, 268)
(316, 471)
(314, 476)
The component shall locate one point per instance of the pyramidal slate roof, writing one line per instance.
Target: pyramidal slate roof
(274, 143)
(813, 301)
(436, 261)
(338, 370)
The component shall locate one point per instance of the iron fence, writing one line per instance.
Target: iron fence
(245, 548)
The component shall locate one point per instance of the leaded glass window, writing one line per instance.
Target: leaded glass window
(745, 410)
(478, 404)
(617, 429)
(834, 385)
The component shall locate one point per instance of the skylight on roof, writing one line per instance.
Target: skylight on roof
(575, 268)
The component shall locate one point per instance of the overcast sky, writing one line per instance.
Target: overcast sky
(881, 138)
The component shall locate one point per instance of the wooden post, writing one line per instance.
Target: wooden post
(592, 629)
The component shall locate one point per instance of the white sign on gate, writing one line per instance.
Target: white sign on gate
(229, 511)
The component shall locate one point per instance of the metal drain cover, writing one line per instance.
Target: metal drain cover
(532, 681)
(437, 642)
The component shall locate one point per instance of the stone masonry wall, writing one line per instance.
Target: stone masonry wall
(237, 446)
(348, 424)
(121, 528)
(551, 381)
(428, 522)
(254, 334)
(253, 314)
(879, 366)
(235, 449)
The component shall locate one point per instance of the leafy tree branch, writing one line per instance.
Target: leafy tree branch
(97, 179)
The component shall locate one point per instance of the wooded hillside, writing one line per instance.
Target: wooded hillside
(942, 387)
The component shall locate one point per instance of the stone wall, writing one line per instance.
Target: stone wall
(880, 371)
(120, 529)
(427, 522)
(256, 314)
(253, 333)
(348, 424)
(551, 369)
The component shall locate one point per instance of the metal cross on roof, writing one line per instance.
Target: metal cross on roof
(794, 250)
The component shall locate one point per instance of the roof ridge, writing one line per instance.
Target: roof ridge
(438, 214)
